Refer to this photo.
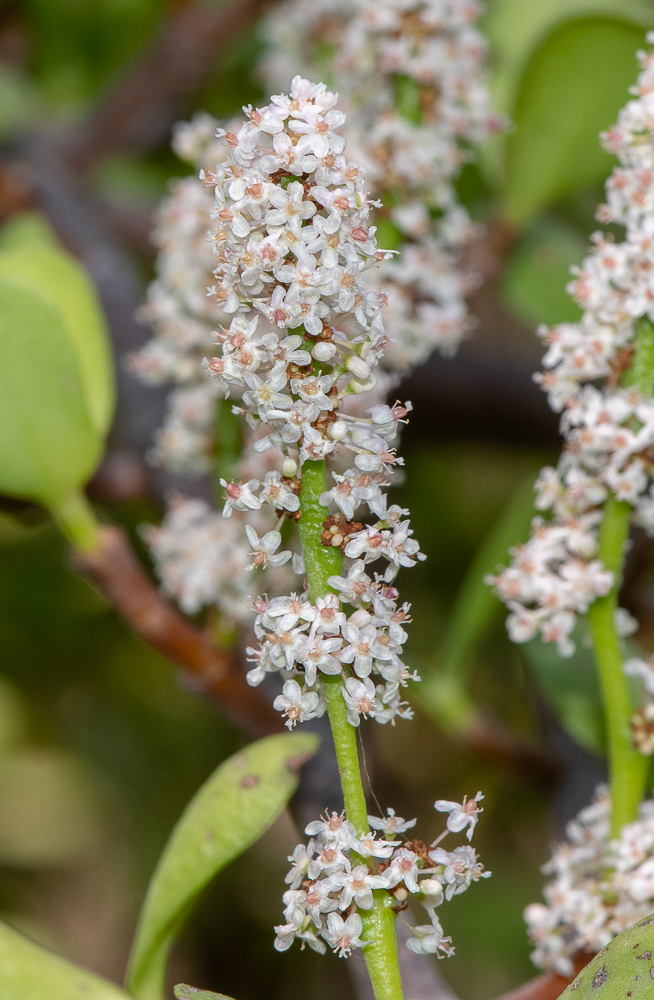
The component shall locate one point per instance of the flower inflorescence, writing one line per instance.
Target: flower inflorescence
(598, 886)
(293, 242)
(608, 428)
(333, 877)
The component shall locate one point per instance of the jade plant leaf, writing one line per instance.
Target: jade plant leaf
(56, 373)
(183, 992)
(240, 800)
(625, 968)
(573, 87)
(54, 275)
(48, 445)
(29, 972)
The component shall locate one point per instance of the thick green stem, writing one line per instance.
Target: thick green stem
(76, 519)
(321, 563)
(627, 767)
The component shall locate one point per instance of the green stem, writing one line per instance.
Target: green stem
(321, 563)
(627, 767)
(76, 519)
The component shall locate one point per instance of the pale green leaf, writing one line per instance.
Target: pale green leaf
(48, 445)
(27, 229)
(29, 972)
(572, 89)
(58, 279)
(183, 992)
(230, 812)
(515, 28)
(623, 969)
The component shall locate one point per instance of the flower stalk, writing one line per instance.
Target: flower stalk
(322, 562)
(77, 521)
(627, 767)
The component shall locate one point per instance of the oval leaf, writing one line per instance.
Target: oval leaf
(29, 972)
(48, 445)
(241, 799)
(515, 28)
(625, 968)
(56, 277)
(572, 89)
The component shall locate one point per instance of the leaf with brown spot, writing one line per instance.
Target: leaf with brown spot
(617, 971)
(240, 800)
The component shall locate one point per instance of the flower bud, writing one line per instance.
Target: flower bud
(323, 351)
(358, 387)
(289, 468)
(431, 887)
(357, 366)
(337, 430)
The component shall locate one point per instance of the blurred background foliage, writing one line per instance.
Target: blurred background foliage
(101, 745)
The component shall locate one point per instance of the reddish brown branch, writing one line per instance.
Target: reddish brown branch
(139, 110)
(116, 572)
(549, 986)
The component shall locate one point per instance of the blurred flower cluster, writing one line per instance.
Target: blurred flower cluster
(608, 428)
(411, 77)
(599, 886)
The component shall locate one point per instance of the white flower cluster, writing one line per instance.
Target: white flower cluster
(304, 640)
(333, 878)
(293, 242)
(599, 887)
(411, 75)
(609, 430)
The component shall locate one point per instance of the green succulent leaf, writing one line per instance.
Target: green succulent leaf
(29, 972)
(48, 446)
(573, 87)
(240, 800)
(625, 968)
(54, 275)
(56, 375)
(183, 992)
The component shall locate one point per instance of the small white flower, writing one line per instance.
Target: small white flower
(296, 705)
(344, 935)
(264, 549)
(461, 815)
(360, 698)
(392, 824)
